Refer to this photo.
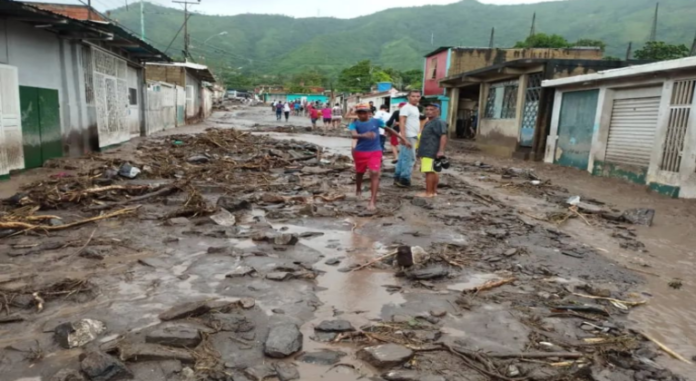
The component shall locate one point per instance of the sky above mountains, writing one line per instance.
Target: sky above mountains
(294, 8)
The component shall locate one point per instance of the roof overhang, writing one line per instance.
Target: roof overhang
(626, 72)
(201, 72)
(496, 72)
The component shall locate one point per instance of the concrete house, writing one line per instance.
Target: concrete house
(194, 80)
(71, 83)
(512, 111)
(637, 123)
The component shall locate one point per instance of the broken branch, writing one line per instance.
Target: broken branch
(489, 285)
(664, 348)
(375, 261)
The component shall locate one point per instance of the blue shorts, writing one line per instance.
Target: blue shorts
(314, 120)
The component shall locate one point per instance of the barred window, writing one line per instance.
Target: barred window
(502, 100)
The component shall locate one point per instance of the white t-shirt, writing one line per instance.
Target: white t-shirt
(384, 117)
(286, 108)
(412, 120)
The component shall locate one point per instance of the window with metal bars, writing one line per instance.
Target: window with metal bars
(677, 124)
(502, 100)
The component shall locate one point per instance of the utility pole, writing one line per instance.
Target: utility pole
(532, 31)
(653, 31)
(142, 20)
(629, 51)
(89, 9)
(186, 34)
(432, 38)
(491, 43)
(693, 47)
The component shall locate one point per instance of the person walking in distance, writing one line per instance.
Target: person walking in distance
(313, 116)
(336, 116)
(431, 147)
(286, 110)
(384, 116)
(279, 110)
(409, 123)
(326, 115)
(393, 122)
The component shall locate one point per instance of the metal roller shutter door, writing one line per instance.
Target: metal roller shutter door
(632, 131)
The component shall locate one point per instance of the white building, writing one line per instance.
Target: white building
(636, 123)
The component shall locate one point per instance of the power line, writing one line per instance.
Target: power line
(176, 35)
(186, 17)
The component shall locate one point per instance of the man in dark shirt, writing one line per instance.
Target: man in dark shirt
(373, 109)
(431, 147)
(393, 138)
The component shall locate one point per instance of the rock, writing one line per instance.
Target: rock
(241, 271)
(510, 252)
(179, 221)
(421, 202)
(385, 356)
(77, 334)
(409, 375)
(224, 218)
(185, 310)
(278, 311)
(513, 371)
(315, 170)
(98, 366)
(324, 337)
(259, 372)
(278, 276)
(323, 357)
(229, 322)
(333, 262)
(154, 263)
(433, 272)
(180, 335)
(198, 159)
(310, 234)
(154, 352)
(286, 239)
(438, 313)
(283, 340)
(55, 222)
(93, 253)
(271, 198)
(286, 372)
(335, 326)
(639, 216)
(247, 303)
(67, 375)
(232, 204)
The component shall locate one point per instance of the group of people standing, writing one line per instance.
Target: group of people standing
(331, 116)
(423, 137)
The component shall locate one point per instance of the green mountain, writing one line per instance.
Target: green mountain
(399, 37)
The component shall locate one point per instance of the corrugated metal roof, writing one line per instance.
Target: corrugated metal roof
(77, 12)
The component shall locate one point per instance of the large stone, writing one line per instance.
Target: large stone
(180, 335)
(154, 352)
(283, 340)
(278, 276)
(286, 239)
(241, 271)
(67, 375)
(639, 216)
(232, 204)
(433, 272)
(224, 218)
(286, 372)
(77, 334)
(409, 375)
(324, 357)
(335, 326)
(385, 356)
(229, 323)
(98, 366)
(185, 310)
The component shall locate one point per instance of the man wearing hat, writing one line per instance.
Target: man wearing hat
(367, 152)
(431, 148)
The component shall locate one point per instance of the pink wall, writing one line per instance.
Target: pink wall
(430, 85)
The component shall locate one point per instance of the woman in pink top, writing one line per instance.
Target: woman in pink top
(326, 115)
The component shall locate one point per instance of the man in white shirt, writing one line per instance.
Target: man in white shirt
(409, 120)
(384, 116)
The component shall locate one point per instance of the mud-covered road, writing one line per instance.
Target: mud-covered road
(239, 253)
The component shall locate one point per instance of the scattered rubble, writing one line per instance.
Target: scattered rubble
(283, 340)
(77, 334)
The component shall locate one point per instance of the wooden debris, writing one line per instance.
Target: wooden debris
(489, 285)
(665, 348)
(624, 302)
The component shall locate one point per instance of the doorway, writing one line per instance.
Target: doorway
(41, 133)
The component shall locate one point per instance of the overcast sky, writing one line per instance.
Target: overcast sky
(295, 8)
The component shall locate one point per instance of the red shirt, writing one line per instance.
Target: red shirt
(314, 113)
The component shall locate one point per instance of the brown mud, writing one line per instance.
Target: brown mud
(501, 291)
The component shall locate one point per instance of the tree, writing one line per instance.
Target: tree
(661, 51)
(541, 40)
(586, 42)
(412, 79)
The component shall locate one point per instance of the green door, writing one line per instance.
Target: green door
(31, 129)
(575, 128)
(41, 132)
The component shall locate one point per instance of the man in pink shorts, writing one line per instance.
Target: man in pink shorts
(367, 153)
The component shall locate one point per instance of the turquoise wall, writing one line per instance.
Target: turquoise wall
(310, 97)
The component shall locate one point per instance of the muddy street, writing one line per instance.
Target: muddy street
(237, 251)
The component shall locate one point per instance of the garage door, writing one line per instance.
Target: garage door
(633, 126)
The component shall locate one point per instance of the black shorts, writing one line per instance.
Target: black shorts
(327, 120)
